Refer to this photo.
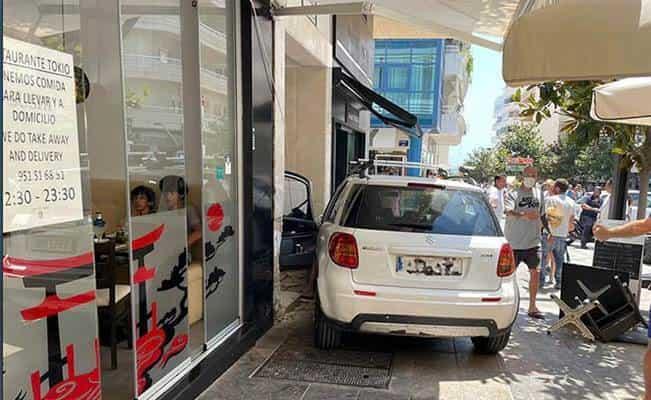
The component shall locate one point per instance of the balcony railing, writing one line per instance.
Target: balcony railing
(452, 123)
(208, 36)
(303, 3)
(169, 118)
(153, 67)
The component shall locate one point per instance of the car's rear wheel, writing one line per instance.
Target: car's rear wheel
(492, 344)
(326, 336)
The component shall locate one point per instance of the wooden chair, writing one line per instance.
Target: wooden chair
(112, 298)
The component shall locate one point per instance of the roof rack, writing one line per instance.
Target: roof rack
(361, 167)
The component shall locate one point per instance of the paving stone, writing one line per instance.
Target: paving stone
(270, 390)
(535, 366)
(478, 390)
(320, 392)
(381, 395)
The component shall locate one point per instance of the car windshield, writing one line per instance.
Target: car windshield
(421, 209)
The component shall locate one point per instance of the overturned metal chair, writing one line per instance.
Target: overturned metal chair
(573, 316)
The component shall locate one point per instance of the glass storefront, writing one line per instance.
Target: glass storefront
(120, 198)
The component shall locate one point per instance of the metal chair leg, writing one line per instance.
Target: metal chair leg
(572, 316)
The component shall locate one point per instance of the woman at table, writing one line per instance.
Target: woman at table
(143, 201)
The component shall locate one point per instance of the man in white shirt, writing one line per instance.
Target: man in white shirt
(496, 196)
(559, 211)
(604, 211)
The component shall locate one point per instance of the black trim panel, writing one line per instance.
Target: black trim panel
(199, 378)
(401, 118)
(359, 320)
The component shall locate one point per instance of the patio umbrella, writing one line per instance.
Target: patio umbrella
(579, 40)
(627, 101)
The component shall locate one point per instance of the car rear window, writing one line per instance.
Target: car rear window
(421, 209)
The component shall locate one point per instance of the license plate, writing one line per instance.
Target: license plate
(429, 266)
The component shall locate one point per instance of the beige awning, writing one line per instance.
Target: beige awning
(579, 40)
(626, 101)
(481, 22)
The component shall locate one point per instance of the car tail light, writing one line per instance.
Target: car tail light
(343, 250)
(506, 262)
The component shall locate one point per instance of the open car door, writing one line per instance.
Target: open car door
(299, 229)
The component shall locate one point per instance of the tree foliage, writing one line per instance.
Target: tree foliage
(519, 141)
(573, 100)
(566, 158)
(580, 163)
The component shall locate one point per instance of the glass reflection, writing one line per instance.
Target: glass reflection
(218, 95)
(48, 269)
(153, 88)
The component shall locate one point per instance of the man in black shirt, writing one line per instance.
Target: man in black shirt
(590, 211)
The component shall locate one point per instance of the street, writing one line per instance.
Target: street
(535, 365)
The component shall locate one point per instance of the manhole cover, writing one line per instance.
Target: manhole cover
(337, 367)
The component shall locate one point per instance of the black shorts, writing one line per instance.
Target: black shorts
(527, 256)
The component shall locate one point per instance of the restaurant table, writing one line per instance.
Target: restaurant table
(122, 262)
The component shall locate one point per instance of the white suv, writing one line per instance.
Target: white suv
(417, 257)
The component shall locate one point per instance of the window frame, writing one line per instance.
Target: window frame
(330, 213)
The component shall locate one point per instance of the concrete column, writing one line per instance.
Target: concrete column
(308, 129)
(279, 153)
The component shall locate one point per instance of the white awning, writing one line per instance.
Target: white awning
(579, 40)
(542, 40)
(625, 102)
(482, 22)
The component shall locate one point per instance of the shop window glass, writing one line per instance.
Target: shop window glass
(400, 98)
(398, 55)
(421, 103)
(295, 198)
(48, 266)
(380, 52)
(162, 233)
(424, 55)
(220, 172)
(397, 77)
(422, 78)
(377, 77)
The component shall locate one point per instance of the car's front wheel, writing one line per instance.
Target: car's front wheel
(326, 336)
(492, 344)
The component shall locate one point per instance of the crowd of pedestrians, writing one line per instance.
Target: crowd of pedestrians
(538, 219)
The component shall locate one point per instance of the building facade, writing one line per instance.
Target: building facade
(508, 115)
(429, 78)
(145, 170)
(138, 261)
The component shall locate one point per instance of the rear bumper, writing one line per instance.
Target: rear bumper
(416, 312)
(421, 326)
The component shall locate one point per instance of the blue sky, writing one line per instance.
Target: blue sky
(487, 85)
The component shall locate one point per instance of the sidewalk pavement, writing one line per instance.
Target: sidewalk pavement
(534, 365)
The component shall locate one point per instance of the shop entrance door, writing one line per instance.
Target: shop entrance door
(349, 145)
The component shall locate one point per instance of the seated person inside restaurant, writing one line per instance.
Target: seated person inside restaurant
(173, 197)
(143, 201)
(173, 194)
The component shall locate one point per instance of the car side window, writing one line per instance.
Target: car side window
(296, 199)
(335, 204)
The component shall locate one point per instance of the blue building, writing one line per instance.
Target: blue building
(429, 78)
